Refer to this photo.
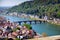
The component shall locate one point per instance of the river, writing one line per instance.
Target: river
(47, 28)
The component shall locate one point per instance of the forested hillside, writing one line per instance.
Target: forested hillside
(39, 7)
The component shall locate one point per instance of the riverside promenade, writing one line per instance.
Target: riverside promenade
(53, 21)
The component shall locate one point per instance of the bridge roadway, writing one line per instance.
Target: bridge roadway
(30, 21)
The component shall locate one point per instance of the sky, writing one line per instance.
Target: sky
(10, 3)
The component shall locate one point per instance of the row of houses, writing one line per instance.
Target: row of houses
(23, 15)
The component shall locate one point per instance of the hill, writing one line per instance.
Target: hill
(3, 10)
(39, 7)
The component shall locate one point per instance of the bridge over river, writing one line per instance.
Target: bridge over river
(30, 21)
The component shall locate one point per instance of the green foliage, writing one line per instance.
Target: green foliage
(17, 39)
(28, 26)
(58, 13)
(17, 28)
(38, 7)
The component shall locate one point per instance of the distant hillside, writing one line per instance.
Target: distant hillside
(39, 7)
(3, 10)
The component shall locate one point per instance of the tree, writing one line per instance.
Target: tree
(58, 14)
(44, 34)
(28, 26)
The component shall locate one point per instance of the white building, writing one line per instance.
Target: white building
(45, 18)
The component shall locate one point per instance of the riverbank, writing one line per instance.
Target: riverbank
(54, 21)
(57, 37)
(35, 17)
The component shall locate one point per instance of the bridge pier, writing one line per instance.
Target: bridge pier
(44, 21)
(30, 22)
(25, 22)
(19, 23)
(40, 21)
(35, 21)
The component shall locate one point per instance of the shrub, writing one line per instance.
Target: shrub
(28, 26)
